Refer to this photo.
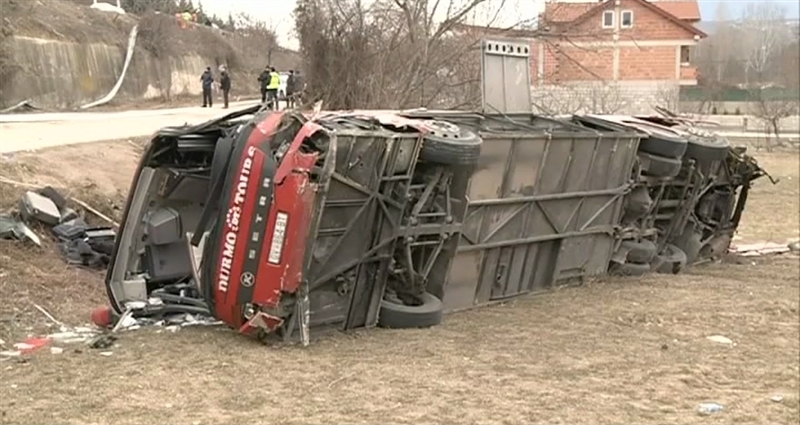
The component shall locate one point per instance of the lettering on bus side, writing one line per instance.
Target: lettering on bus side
(232, 220)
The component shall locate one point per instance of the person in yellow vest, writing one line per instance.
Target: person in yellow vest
(272, 89)
(181, 22)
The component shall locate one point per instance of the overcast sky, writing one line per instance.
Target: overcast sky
(278, 13)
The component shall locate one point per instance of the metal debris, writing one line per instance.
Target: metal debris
(760, 249)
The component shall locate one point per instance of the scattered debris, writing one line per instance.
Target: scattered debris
(126, 321)
(48, 315)
(94, 211)
(33, 206)
(32, 344)
(776, 398)
(11, 228)
(760, 249)
(77, 335)
(155, 312)
(65, 336)
(106, 353)
(720, 339)
(102, 341)
(92, 247)
(78, 243)
(709, 408)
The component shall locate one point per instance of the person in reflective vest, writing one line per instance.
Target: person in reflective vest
(272, 88)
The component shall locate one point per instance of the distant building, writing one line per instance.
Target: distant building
(627, 41)
(612, 56)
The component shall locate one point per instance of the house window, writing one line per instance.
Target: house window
(626, 19)
(686, 55)
(608, 19)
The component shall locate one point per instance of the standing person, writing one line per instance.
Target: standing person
(225, 85)
(272, 88)
(290, 90)
(208, 80)
(299, 88)
(263, 80)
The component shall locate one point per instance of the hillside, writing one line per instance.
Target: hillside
(61, 54)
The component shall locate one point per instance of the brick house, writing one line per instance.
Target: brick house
(617, 40)
(640, 49)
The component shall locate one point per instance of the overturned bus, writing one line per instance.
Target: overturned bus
(278, 223)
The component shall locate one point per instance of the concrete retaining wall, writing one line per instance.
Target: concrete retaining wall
(59, 74)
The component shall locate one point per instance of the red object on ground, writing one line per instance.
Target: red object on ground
(103, 317)
(32, 344)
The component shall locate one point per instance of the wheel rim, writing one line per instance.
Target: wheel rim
(443, 129)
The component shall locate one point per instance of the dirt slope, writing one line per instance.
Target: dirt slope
(613, 351)
(245, 53)
(65, 21)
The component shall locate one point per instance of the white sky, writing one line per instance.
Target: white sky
(278, 13)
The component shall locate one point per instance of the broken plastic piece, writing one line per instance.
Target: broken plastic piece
(11, 228)
(68, 214)
(71, 229)
(32, 344)
(35, 206)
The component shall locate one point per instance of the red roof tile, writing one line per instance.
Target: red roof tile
(559, 12)
(682, 9)
(565, 12)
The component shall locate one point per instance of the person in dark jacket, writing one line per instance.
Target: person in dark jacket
(208, 81)
(298, 88)
(263, 80)
(225, 85)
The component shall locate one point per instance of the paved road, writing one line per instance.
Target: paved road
(20, 132)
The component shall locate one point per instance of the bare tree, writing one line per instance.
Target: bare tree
(771, 109)
(600, 97)
(389, 53)
(771, 66)
(713, 55)
(766, 20)
(668, 96)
